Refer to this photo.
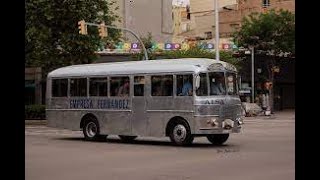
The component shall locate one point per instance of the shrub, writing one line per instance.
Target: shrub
(35, 111)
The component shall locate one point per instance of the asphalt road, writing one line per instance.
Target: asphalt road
(264, 150)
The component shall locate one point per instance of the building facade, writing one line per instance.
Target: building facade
(143, 16)
(231, 18)
(231, 13)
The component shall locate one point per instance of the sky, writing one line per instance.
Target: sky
(183, 2)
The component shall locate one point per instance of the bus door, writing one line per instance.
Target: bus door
(139, 118)
(160, 104)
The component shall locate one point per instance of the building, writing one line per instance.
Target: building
(231, 13)
(143, 16)
(34, 93)
(181, 23)
(230, 18)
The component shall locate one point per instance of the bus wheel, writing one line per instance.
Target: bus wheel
(180, 134)
(91, 130)
(218, 139)
(127, 138)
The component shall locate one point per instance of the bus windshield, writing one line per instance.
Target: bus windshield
(219, 84)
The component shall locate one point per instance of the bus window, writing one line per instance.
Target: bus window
(78, 87)
(203, 88)
(119, 86)
(139, 86)
(184, 85)
(59, 87)
(162, 85)
(217, 83)
(232, 84)
(98, 86)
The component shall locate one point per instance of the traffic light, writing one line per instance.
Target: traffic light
(82, 27)
(103, 32)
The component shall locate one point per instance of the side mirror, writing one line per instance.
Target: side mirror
(197, 81)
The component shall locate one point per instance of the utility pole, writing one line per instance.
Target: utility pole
(252, 73)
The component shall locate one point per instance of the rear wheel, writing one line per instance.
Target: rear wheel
(127, 138)
(218, 139)
(91, 130)
(180, 133)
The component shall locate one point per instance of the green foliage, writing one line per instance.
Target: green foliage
(35, 111)
(197, 52)
(148, 40)
(52, 36)
(194, 52)
(271, 32)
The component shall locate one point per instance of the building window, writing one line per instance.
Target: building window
(188, 12)
(265, 3)
(208, 35)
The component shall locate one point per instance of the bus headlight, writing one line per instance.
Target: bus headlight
(227, 124)
(212, 122)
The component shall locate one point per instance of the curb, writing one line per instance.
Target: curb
(35, 122)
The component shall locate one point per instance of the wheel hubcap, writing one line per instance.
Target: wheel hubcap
(179, 133)
(91, 129)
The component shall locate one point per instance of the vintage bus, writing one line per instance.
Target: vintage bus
(147, 98)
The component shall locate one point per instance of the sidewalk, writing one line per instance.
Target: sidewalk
(35, 122)
(287, 114)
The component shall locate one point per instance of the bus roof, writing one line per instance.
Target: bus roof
(138, 67)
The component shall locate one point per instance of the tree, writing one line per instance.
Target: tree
(271, 34)
(52, 36)
(193, 52)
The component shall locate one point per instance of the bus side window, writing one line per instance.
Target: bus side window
(184, 85)
(119, 86)
(139, 85)
(203, 88)
(78, 87)
(59, 87)
(98, 86)
(162, 85)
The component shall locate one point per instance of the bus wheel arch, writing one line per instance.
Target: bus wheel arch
(91, 127)
(85, 118)
(179, 131)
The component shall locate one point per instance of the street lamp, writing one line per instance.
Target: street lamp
(255, 40)
(252, 73)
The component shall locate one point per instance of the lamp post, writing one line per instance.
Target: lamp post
(252, 73)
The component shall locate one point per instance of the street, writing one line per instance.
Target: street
(264, 150)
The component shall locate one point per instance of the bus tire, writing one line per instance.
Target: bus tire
(127, 138)
(218, 139)
(180, 133)
(91, 130)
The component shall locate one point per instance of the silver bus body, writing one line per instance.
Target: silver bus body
(145, 115)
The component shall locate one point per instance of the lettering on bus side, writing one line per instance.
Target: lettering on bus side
(100, 104)
(216, 101)
(113, 104)
(81, 104)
